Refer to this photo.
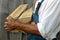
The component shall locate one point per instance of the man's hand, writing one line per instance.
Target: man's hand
(13, 24)
(10, 24)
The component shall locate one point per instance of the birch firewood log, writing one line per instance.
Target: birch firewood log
(26, 16)
(18, 11)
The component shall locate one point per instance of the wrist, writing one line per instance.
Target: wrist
(18, 26)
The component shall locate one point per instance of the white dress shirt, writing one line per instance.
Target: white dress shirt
(49, 18)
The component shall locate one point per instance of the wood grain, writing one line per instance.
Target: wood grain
(18, 11)
(26, 16)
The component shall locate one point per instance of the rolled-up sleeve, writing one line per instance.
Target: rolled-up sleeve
(50, 18)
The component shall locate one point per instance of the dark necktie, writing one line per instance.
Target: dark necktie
(35, 16)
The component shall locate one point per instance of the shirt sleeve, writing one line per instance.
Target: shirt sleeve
(50, 18)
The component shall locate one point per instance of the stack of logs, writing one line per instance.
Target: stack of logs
(22, 14)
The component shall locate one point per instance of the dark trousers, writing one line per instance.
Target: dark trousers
(58, 35)
(36, 37)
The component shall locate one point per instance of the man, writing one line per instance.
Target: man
(49, 20)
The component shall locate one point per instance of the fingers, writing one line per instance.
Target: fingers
(32, 23)
(10, 19)
(6, 23)
(9, 24)
(7, 28)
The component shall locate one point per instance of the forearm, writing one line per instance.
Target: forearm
(29, 28)
(13, 24)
